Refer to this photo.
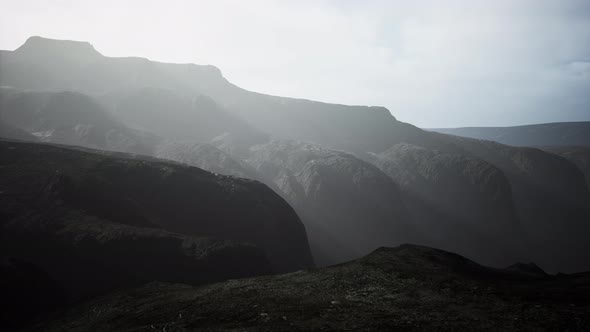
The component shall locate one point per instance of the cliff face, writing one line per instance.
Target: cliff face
(101, 214)
(458, 202)
(348, 205)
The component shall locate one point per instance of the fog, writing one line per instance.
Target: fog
(433, 64)
(261, 163)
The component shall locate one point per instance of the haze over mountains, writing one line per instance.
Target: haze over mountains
(546, 134)
(309, 152)
(156, 155)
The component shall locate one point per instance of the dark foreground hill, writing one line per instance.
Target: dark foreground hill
(404, 288)
(83, 222)
(545, 134)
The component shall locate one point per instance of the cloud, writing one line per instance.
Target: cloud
(432, 63)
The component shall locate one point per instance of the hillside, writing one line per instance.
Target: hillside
(404, 288)
(89, 221)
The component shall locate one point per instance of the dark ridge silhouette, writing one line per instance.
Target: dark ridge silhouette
(94, 221)
(404, 288)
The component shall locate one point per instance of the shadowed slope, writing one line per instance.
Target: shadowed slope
(407, 288)
(38, 180)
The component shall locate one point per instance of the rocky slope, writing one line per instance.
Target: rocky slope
(451, 198)
(94, 216)
(403, 288)
(349, 207)
(71, 118)
(207, 157)
(188, 117)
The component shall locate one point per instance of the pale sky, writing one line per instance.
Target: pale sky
(432, 63)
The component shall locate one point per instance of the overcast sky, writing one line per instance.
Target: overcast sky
(431, 63)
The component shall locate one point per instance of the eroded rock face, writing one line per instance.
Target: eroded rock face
(550, 197)
(349, 206)
(139, 218)
(458, 202)
(207, 157)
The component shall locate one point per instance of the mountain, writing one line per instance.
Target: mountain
(579, 155)
(95, 220)
(10, 132)
(403, 288)
(545, 134)
(207, 157)
(446, 192)
(349, 207)
(71, 118)
(357, 177)
(188, 118)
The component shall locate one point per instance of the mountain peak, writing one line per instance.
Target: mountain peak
(37, 46)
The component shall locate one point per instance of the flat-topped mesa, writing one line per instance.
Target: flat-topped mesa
(39, 47)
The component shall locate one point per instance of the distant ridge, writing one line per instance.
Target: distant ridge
(38, 46)
(543, 134)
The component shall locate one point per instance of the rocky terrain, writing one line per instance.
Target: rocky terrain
(71, 118)
(346, 170)
(403, 288)
(132, 190)
(332, 191)
(78, 223)
(152, 193)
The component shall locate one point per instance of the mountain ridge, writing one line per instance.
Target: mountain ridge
(541, 134)
(546, 191)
